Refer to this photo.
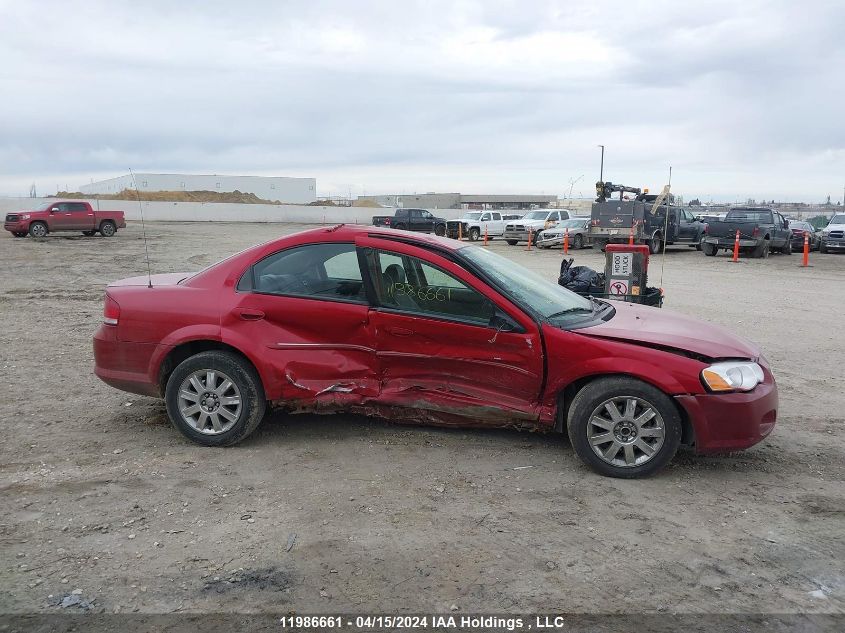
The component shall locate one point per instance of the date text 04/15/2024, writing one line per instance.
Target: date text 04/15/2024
(467, 622)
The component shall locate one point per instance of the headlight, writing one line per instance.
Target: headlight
(732, 376)
(25, 216)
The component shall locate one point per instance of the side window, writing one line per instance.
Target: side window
(409, 284)
(321, 271)
(497, 217)
(426, 215)
(485, 218)
(78, 207)
(555, 216)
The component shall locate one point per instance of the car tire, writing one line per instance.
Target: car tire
(245, 385)
(108, 228)
(511, 242)
(761, 251)
(822, 247)
(440, 230)
(38, 229)
(699, 245)
(592, 431)
(578, 241)
(787, 248)
(89, 233)
(474, 234)
(709, 249)
(655, 244)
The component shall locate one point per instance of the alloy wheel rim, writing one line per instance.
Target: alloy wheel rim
(209, 401)
(38, 230)
(107, 229)
(626, 431)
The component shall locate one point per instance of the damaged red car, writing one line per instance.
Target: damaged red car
(422, 329)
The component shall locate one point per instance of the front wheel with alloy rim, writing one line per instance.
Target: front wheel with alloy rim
(578, 241)
(622, 427)
(38, 229)
(215, 398)
(474, 234)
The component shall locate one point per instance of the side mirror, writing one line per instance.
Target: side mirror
(502, 322)
(54, 210)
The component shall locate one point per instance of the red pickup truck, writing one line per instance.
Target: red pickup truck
(64, 215)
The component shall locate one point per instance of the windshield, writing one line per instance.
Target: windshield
(536, 215)
(837, 219)
(529, 289)
(44, 206)
(472, 216)
(571, 224)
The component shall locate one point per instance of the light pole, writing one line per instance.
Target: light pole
(601, 169)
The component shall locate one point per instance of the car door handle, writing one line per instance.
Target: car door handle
(399, 331)
(249, 314)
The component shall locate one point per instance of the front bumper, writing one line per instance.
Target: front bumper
(732, 421)
(833, 244)
(16, 227)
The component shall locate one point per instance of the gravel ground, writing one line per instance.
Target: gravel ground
(347, 514)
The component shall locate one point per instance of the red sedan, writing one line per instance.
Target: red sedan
(422, 329)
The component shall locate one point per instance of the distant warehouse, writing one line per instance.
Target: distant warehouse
(463, 201)
(293, 190)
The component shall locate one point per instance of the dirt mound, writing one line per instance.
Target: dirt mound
(366, 203)
(236, 196)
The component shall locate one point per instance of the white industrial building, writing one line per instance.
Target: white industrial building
(293, 190)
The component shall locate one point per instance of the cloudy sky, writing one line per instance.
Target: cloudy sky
(743, 99)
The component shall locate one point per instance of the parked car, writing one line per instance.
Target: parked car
(474, 224)
(833, 235)
(64, 215)
(579, 234)
(532, 222)
(798, 229)
(761, 230)
(420, 329)
(420, 220)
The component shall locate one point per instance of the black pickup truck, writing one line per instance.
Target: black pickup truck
(761, 230)
(412, 220)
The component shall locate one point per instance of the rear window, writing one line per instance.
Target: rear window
(750, 215)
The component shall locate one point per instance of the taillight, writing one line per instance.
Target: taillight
(705, 229)
(755, 232)
(111, 311)
(387, 221)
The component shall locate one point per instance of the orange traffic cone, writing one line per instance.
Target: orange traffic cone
(806, 261)
(566, 242)
(530, 238)
(460, 235)
(485, 235)
(736, 247)
(631, 235)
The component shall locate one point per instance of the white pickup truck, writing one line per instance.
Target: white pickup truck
(474, 223)
(532, 223)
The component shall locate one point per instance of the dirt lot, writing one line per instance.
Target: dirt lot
(347, 514)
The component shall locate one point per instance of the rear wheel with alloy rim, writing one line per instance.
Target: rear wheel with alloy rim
(107, 229)
(215, 398)
(622, 427)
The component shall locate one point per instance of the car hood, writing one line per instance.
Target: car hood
(164, 279)
(664, 328)
(834, 227)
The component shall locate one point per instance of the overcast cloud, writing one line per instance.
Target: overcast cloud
(743, 99)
